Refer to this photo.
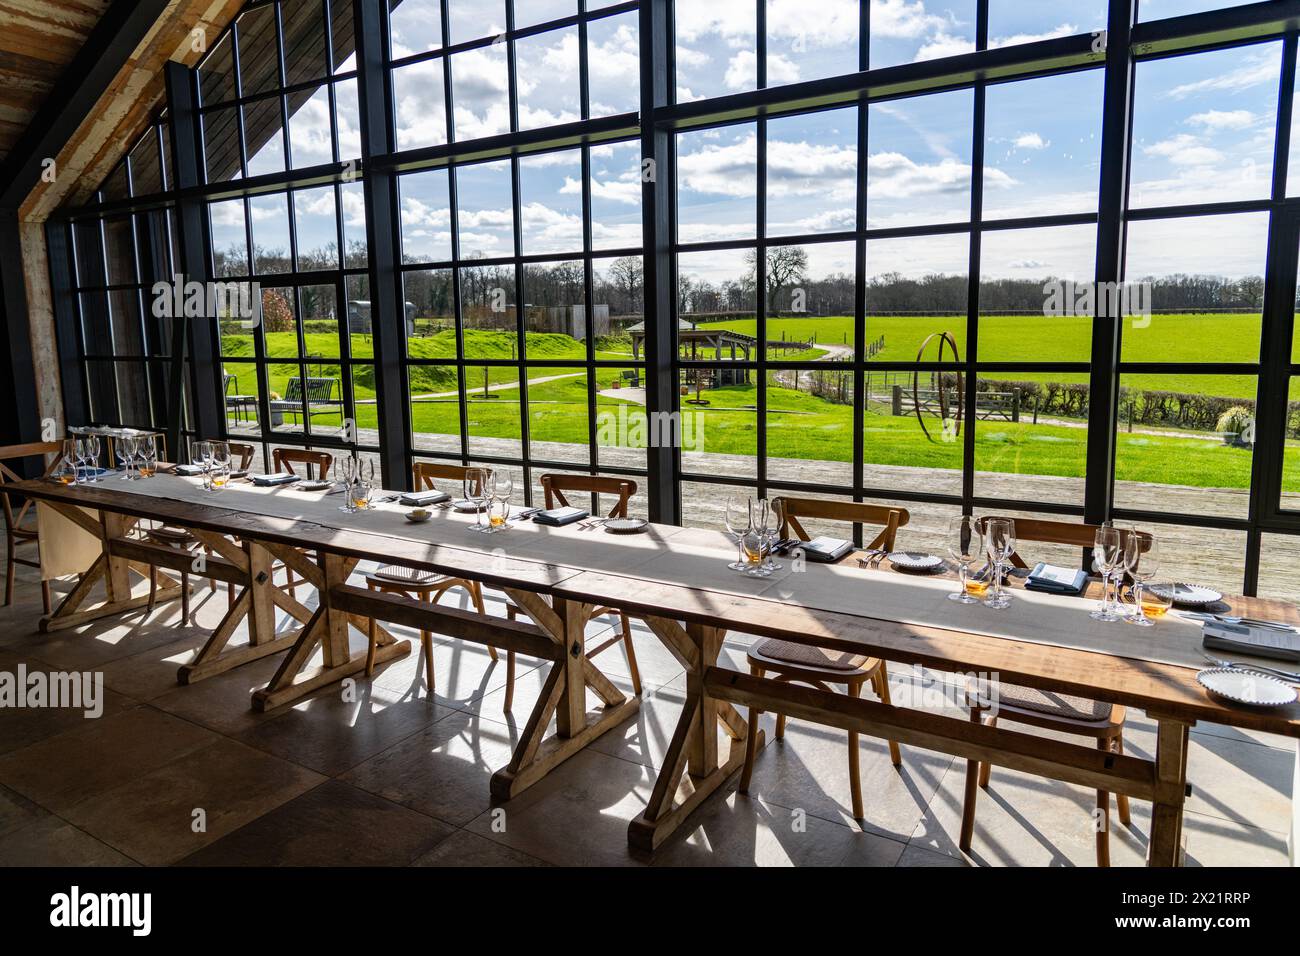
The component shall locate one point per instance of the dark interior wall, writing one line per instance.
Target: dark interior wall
(19, 421)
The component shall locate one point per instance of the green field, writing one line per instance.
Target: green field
(799, 426)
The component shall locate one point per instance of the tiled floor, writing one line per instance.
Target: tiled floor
(384, 773)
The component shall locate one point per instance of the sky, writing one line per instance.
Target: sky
(1203, 127)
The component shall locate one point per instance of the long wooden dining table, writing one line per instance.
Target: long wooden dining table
(676, 580)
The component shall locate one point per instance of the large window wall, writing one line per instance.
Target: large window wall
(861, 277)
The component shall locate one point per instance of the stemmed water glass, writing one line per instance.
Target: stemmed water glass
(776, 508)
(218, 465)
(740, 521)
(89, 455)
(999, 544)
(1107, 558)
(363, 484)
(345, 475)
(65, 469)
(1141, 561)
(200, 455)
(148, 456)
(479, 485)
(503, 486)
(965, 544)
(755, 542)
(129, 447)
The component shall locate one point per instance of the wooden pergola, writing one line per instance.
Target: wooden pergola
(694, 343)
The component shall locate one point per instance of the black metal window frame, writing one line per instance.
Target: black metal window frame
(1128, 43)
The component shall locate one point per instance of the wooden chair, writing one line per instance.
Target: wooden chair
(283, 459)
(818, 667)
(243, 452)
(429, 586)
(17, 533)
(1050, 710)
(553, 487)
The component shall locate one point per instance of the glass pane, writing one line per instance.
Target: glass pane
(1030, 445)
(320, 322)
(530, 12)
(264, 129)
(426, 217)
(270, 233)
(613, 55)
(311, 140)
(719, 421)
(618, 288)
(119, 237)
(1205, 277)
(96, 329)
(810, 426)
(480, 80)
(903, 32)
(435, 408)
(717, 184)
(492, 411)
(280, 335)
(344, 33)
(347, 119)
(802, 47)
(124, 311)
(1279, 557)
(1030, 309)
(1025, 21)
(474, 19)
(146, 171)
(547, 70)
(431, 308)
(705, 505)
(558, 416)
(616, 196)
(717, 47)
(485, 215)
(217, 73)
(912, 432)
(1203, 126)
(550, 188)
(812, 173)
(221, 145)
(259, 62)
(316, 222)
(241, 391)
(1291, 450)
(1159, 9)
(915, 289)
(1185, 443)
(715, 286)
(919, 165)
(554, 313)
(1037, 161)
(414, 26)
(357, 296)
(304, 40)
(809, 303)
(229, 238)
(489, 316)
(421, 105)
(235, 330)
(352, 196)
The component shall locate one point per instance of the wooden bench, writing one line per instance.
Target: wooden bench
(318, 399)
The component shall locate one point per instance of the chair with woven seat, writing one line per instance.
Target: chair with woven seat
(18, 533)
(816, 666)
(283, 459)
(1046, 709)
(622, 489)
(243, 452)
(430, 586)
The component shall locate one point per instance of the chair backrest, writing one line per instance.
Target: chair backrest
(245, 453)
(1074, 533)
(293, 390)
(320, 389)
(889, 518)
(427, 471)
(554, 487)
(13, 453)
(283, 459)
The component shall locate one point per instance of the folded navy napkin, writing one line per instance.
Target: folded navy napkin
(560, 516)
(1056, 580)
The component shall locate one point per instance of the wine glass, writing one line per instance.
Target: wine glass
(776, 526)
(129, 447)
(740, 521)
(1142, 561)
(1108, 557)
(363, 485)
(148, 456)
(92, 458)
(65, 469)
(478, 486)
(84, 459)
(219, 469)
(755, 541)
(965, 544)
(345, 476)
(1000, 544)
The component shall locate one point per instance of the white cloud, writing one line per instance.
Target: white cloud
(942, 44)
(1184, 150)
(1031, 141)
(1223, 119)
(1062, 30)
(1256, 70)
(902, 19)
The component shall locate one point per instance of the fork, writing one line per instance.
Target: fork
(1264, 668)
(872, 554)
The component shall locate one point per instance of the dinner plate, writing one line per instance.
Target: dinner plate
(1243, 686)
(467, 506)
(626, 525)
(314, 485)
(1187, 595)
(915, 560)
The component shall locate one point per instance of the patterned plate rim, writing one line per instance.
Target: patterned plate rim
(1237, 671)
(625, 525)
(908, 562)
(1185, 602)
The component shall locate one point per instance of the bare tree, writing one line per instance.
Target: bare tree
(786, 266)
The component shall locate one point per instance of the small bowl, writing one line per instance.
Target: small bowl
(416, 515)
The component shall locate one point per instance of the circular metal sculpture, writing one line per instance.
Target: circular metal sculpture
(946, 339)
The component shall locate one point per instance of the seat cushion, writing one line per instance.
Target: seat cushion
(1050, 703)
(397, 574)
(802, 655)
